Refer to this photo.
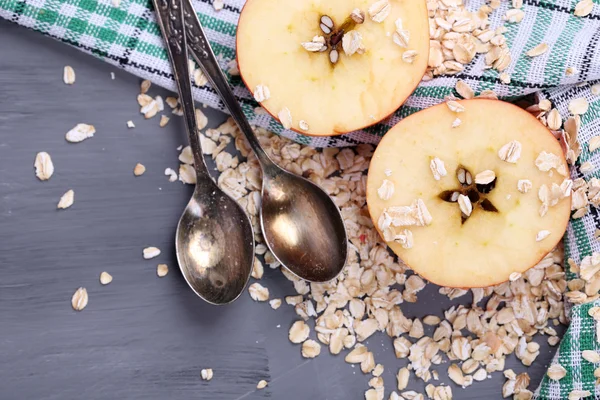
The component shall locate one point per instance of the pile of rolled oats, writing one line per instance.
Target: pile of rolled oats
(471, 342)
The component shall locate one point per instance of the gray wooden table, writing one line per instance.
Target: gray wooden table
(141, 337)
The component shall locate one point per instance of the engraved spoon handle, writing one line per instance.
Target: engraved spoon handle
(169, 14)
(204, 56)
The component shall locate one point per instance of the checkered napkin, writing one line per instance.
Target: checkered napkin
(126, 35)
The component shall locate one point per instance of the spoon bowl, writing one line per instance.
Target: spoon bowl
(302, 226)
(215, 245)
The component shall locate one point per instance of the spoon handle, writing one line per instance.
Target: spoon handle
(204, 56)
(170, 19)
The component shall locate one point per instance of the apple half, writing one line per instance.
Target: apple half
(328, 67)
(470, 193)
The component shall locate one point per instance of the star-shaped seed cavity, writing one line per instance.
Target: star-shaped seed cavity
(471, 194)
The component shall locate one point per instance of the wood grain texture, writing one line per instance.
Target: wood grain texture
(141, 337)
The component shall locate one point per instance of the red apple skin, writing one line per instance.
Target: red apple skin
(565, 222)
(335, 133)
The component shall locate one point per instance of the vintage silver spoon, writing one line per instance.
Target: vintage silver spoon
(214, 240)
(302, 226)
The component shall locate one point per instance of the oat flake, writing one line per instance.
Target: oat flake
(162, 270)
(66, 200)
(386, 190)
(44, 168)
(437, 168)
(105, 278)
(69, 75)
(285, 117)
(379, 10)
(151, 252)
(80, 133)
(80, 299)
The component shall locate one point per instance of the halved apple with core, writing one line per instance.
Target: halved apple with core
(470, 193)
(328, 67)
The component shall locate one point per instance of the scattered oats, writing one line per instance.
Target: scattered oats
(311, 349)
(285, 117)
(513, 277)
(232, 68)
(66, 200)
(201, 119)
(596, 89)
(545, 105)
(431, 320)
(261, 384)
(105, 278)
(570, 71)
(505, 78)
(171, 174)
(455, 106)
(303, 125)
(437, 168)
(44, 168)
(298, 332)
(456, 123)
(151, 252)
(317, 44)
(79, 299)
(510, 152)
(112, 76)
(546, 161)
(553, 120)
(261, 93)
(409, 56)
(579, 394)
(187, 174)
(144, 100)
(130, 124)
(401, 37)
(594, 144)
(206, 374)
(485, 177)
(464, 89)
(538, 50)
(586, 167)
(578, 106)
(218, 6)
(69, 75)
(480, 375)
(275, 303)
(145, 86)
(80, 133)
(164, 120)
(139, 169)
(171, 102)
(149, 110)
(379, 10)
(465, 205)
(199, 78)
(584, 8)
(378, 370)
(258, 292)
(162, 270)
(386, 190)
(541, 235)
(352, 43)
(591, 356)
(524, 185)
(553, 340)
(403, 376)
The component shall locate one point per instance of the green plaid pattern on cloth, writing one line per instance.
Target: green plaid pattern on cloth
(128, 37)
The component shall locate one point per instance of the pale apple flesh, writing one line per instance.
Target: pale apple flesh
(488, 247)
(357, 91)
